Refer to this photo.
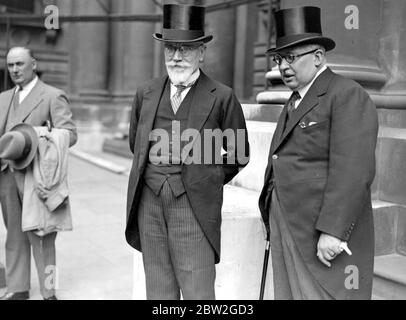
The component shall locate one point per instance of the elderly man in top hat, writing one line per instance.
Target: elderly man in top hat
(317, 196)
(30, 102)
(175, 189)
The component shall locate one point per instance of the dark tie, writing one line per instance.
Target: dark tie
(291, 104)
(176, 100)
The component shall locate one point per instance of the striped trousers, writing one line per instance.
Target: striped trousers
(178, 259)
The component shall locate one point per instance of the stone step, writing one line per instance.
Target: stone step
(390, 227)
(391, 152)
(375, 297)
(390, 277)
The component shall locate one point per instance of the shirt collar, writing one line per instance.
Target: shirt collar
(306, 88)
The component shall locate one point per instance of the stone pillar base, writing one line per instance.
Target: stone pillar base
(2, 276)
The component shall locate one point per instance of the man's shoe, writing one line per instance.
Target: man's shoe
(51, 298)
(15, 296)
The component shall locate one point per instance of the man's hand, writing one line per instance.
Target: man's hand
(328, 248)
(42, 192)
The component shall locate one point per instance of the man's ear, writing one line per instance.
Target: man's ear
(319, 57)
(202, 51)
(34, 64)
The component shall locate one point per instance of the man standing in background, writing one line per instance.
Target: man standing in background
(32, 102)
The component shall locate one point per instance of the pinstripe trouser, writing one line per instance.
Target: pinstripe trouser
(177, 255)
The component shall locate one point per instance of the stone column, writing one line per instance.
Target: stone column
(132, 56)
(2, 276)
(355, 55)
(89, 56)
(391, 103)
(244, 51)
(220, 54)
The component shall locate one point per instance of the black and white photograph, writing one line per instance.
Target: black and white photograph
(225, 152)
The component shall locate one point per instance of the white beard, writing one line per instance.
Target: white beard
(180, 76)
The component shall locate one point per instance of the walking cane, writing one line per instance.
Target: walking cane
(265, 266)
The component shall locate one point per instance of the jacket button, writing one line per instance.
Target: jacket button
(275, 156)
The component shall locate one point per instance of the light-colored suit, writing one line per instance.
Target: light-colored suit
(43, 103)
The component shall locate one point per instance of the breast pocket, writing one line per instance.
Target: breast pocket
(309, 124)
(314, 137)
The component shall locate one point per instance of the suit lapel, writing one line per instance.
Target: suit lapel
(279, 129)
(311, 99)
(151, 98)
(276, 139)
(202, 103)
(31, 101)
(308, 102)
(5, 109)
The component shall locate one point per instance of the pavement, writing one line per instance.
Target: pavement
(94, 262)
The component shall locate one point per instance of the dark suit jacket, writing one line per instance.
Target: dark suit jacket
(322, 176)
(214, 106)
(43, 103)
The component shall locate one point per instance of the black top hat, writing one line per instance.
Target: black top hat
(183, 23)
(19, 145)
(299, 25)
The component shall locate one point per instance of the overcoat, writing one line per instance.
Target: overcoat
(322, 166)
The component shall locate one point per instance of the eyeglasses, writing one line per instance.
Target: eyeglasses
(289, 57)
(184, 50)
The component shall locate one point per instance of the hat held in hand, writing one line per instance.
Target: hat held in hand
(19, 146)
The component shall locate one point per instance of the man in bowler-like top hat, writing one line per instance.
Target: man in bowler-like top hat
(175, 189)
(316, 197)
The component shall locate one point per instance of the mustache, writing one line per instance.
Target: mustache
(172, 65)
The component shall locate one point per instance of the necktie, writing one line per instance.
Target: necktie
(291, 104)
(176, 99)
(16, 99)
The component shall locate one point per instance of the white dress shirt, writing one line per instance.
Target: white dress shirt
(303, 91)
(24, 92)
